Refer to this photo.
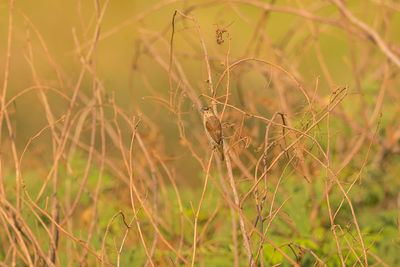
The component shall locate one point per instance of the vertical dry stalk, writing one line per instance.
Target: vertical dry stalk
(246, 240)
(196, 216)
(128, 158)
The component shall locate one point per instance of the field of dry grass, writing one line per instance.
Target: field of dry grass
(104, 160)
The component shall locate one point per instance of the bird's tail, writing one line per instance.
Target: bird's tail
(220, 148)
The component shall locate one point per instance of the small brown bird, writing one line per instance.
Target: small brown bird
(213, 129)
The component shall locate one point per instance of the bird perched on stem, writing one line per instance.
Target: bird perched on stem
(212, 126)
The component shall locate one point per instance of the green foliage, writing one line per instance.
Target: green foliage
(146, 76)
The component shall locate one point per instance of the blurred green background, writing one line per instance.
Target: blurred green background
(43, 35)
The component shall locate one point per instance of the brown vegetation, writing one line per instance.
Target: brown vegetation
(308, 143)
